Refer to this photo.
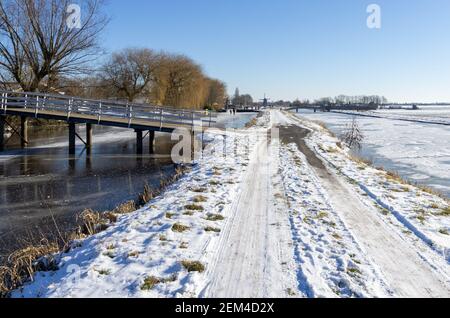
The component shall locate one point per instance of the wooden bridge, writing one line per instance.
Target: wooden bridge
(140, 117)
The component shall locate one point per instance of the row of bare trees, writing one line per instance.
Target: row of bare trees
(40, 51)
(162, 79)
(360, 99)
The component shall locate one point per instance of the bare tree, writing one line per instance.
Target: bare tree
(131, 72)
(353, 136)
(37, 44)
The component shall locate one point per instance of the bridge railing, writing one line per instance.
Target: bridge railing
(131, 112)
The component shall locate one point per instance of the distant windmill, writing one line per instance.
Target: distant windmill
(265, 101)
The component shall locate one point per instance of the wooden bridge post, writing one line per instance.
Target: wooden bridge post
(88, 135)
(2, 133)
(139, 142)
(24, 131)
(193, 148)
(72, 136)
(151, 142)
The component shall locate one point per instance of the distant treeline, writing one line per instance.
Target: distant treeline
(344, 99)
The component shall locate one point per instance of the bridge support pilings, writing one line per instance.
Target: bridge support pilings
(88, 135)
(24, 131)
(139, 142)
(2, 133)
(72, 136)
(151, 142)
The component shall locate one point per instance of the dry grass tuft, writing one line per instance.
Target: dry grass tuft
(434, 206)
(125, 208)
(199, 190)
(146, 196)
(212, 229)
(215, 217)
(251, 123)
(193, 266)
(149, 193)
(92, 222)
(361, 160)
(179, 228)
(445, 212)
(21, 265)
(194, 207)
(151, 281)
(170, 215)
(200, 199)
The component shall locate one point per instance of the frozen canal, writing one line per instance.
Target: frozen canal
(419, 152)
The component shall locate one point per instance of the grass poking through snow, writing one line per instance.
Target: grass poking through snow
(212, 229)
(200, 199)
(179, 228)
(193, 266)
(215, 217)
(194, 207)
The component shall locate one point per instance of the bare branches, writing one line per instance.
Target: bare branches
(131, 72)
(36, 43)
(353, 136)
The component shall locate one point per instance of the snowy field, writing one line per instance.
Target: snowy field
(417, 151)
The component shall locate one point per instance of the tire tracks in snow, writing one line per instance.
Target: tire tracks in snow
(255, 257)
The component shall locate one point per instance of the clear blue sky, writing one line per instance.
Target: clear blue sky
(299, 48)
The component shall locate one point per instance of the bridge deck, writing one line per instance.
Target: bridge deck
(104, 120)
(75, 110)
(102, 112)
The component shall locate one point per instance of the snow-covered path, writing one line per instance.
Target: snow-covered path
(255, 258)
(406, 273)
